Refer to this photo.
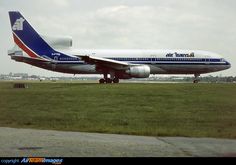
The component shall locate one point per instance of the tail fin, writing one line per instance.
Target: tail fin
(27, 38)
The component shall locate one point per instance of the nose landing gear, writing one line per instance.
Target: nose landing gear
(196, 78)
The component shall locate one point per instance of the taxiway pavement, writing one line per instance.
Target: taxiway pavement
(30, 142)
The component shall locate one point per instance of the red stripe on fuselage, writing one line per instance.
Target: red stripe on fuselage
(24, 48)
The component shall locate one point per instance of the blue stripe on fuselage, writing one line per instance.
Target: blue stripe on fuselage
(167, 61)
(79, 62)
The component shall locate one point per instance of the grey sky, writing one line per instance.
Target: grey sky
(126, 24)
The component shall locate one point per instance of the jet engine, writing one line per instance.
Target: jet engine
(139, 71)
(58, 41)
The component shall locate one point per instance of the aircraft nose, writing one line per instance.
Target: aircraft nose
(228, 65)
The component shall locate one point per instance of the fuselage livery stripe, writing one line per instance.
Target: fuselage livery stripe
(156, 63)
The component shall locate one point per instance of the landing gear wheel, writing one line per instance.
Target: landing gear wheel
(115, 80)
(102, 81)
(108, 80)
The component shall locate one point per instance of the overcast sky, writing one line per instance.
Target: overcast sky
(126, 24)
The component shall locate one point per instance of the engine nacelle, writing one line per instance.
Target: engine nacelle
(140, 71)
(61, 41)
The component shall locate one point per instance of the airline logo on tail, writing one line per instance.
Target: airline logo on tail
(18, 25)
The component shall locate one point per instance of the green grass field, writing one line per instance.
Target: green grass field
(193, 110)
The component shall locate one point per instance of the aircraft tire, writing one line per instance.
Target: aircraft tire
(108, 80)
(102, 81)
(115, 80)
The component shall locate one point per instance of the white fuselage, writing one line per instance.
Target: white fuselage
(159, 61)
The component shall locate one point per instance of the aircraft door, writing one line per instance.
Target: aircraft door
(54, 62)
(153, 59)
(207, 60)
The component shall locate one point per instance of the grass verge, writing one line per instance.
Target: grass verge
(192, 110)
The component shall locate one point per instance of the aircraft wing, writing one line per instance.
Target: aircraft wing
(104, 62)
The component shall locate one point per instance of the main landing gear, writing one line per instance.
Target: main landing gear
(109, 80)
(196, 78)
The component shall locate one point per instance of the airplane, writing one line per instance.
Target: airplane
(56, 54)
